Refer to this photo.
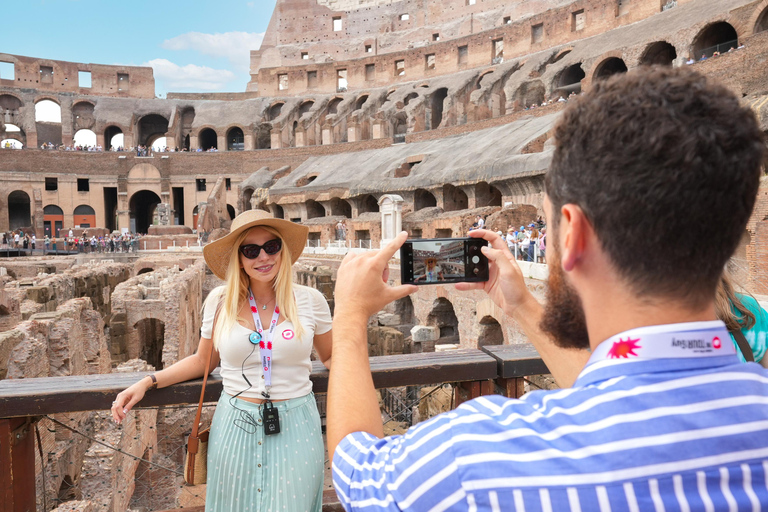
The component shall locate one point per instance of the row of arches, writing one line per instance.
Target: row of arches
(442, 315)
(454, 199)
(719, 37)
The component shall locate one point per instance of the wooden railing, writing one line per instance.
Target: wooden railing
(494, 369)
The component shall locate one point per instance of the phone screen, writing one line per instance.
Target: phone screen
(443, 260)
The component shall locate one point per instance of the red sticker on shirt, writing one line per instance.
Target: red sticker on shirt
(716, 342)
(287, 334)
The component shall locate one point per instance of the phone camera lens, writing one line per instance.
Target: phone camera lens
(475, 260)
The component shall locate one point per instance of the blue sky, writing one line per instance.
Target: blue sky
(193, 45)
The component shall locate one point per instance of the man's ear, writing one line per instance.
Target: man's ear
(574, 232)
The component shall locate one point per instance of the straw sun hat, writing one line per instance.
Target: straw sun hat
(217, 253)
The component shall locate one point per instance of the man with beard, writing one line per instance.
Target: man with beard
(663, 416)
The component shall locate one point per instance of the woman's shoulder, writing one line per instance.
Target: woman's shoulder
(306, 292)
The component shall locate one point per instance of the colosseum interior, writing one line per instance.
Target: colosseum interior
(374, 112)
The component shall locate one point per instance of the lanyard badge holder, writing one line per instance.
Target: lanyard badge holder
(269, 414)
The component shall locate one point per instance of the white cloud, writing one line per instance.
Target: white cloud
(233, 46)
(189, 77)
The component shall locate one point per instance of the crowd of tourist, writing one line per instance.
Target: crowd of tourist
(715, 54)
(18, 239)
(527, 243)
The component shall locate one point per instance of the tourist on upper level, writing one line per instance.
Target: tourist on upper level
(664, 415)
(251, 468)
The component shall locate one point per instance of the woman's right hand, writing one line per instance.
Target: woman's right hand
(127, 398)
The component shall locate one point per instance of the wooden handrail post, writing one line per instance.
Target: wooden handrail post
(17, 464)
(466, 391)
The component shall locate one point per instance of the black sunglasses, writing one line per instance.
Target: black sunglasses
(252, 251)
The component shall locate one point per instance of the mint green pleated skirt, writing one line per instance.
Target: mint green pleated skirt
(249, 471)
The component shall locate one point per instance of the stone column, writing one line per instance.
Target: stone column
(248, 142)
(353, 132)
(391, 208)
(276, 137)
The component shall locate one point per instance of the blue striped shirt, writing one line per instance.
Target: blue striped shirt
(665, 434)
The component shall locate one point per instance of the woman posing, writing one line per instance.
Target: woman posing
(262, 316)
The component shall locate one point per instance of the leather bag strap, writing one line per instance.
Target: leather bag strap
(741, 341)
(193, 441)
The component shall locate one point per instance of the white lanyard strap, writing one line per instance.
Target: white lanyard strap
(265, 345)
(707, 339)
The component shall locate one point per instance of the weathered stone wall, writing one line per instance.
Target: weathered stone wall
(156, 316)
(104, 78)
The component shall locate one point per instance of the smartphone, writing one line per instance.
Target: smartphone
(442, 261)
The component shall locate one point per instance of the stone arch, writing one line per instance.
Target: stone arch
(151, 127)
(142, 207)
(454, 198)
(409, 97)
(760, 23)
(82, 115)
(480, 77)
(490, 332)
(486, 195)
(231, 212)
(658, 53)
(207, 139)
(47, 109)
(437, 100)
(19, 210)
(368, 204)
(144, 172)
(113, 137)
(423, 199)
(314, 209)
(48, 121)
(715, 37)
(145, 270)
(275, 110)
(151, 336)
(530, 93)
(277, 211)
(569, 80)
(609, 67)
(361, 101)
(443, 316)
(84, 216)
(333, 105)
(341, 207)
(84, 138)
(235, 139)
(306, 107)
(10, 106)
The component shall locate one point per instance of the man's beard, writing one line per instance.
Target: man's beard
(563, 316)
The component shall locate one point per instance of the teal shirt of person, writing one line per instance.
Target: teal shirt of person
(757, 336)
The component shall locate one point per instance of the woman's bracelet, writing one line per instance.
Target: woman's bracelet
(154, 381)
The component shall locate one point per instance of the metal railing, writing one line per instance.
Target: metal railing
(720, 48)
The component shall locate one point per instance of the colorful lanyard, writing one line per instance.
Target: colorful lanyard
(692, 339)
(265, 346)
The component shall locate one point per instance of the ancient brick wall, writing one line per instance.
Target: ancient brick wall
(32, 73)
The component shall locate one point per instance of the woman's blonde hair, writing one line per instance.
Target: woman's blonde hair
(726, 301)
(235, 290)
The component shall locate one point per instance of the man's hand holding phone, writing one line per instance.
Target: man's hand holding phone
(505, 284)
